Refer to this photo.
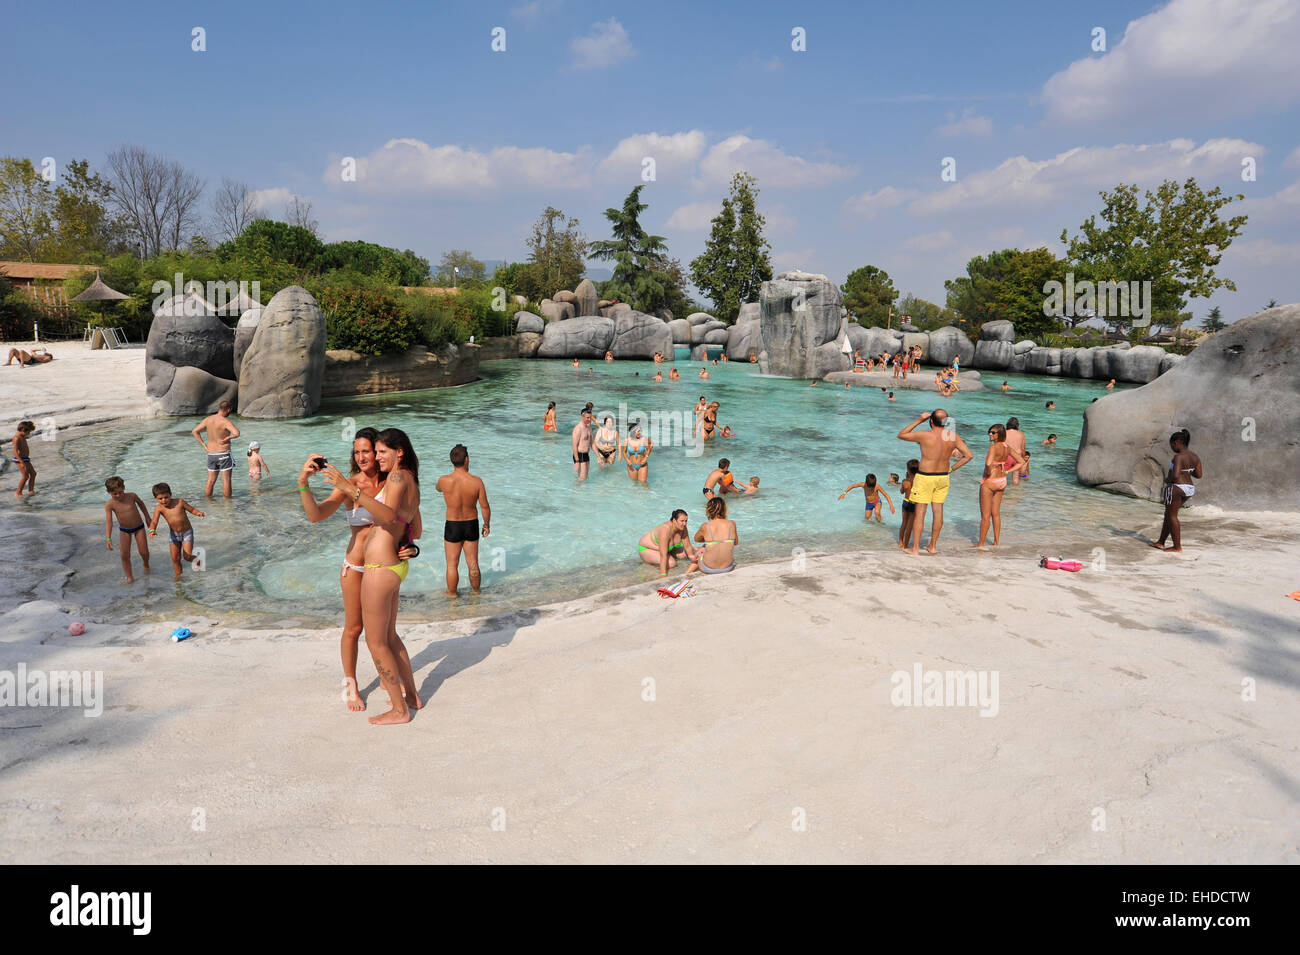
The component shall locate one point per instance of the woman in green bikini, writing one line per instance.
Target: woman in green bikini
(719, 537)
(636, 451)
(652, 551)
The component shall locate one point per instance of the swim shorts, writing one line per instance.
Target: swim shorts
(457, 532)
(584, 457)
(182, 537)
(130, 530)
(929, 488)
(220, 462)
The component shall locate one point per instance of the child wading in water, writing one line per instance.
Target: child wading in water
(909, 508)
(873, 491)
(173, 510)
(22, 458)
(131, 515)
(256, 466)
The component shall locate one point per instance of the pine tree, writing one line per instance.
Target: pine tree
(641, 266)
(1213, 322)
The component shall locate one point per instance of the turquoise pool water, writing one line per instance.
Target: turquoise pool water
(553, 536)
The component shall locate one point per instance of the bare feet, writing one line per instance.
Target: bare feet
(1158, 545)
(394, 715)
(177, 577)
(351, 696)
(412, 699)
(453, 593)
(1173, 550)
(130, 579)
(932, 550)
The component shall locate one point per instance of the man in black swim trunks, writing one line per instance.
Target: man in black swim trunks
(465, 496)
(582, 435)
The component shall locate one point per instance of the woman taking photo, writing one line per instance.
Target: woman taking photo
(396, 522)
(367, 476)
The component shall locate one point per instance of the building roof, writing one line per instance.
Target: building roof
(41, 270)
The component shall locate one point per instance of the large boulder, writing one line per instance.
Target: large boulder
(244, 331)
(870, 342)
(1019, 363)
(585, 299)
(799, 315)
(528, 322)
(993, 354)
(566, 297)
(999, 330)
(1107, 362)
(557, 311)
(744, 339)
(1169, 361)
(1139, 364)
(614, 309)
(948, 343)
(281, 373)
(749, 312)
(638, 335)
(1236, 383)
(186, 332)
(681, 331)
(1041, 359)
(1078, 362)
(717, 336)
(699, 331)
(918, 338)
(192, 391)
(1023, 346)
(529, 342)
(699, 318)
(586, 337)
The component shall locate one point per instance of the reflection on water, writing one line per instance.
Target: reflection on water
(552, 536)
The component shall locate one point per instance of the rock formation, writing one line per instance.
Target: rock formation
(283, 368)
(189, 359)
(587, 337)
(801, 326)
(638, 335)
(585, 299)
(244, 332)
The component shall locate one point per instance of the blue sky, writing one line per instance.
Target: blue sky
(458, 146)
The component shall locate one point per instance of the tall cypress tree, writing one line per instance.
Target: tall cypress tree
(736, 259)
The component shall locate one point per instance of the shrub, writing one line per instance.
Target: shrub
(365, 321)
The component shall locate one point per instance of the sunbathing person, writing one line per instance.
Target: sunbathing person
(37, 356)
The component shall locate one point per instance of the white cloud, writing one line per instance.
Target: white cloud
(929, 241)
(768, 163)
(1293, 159)
(772, 64)
(410, 165)
(271, 201)
(674, 155)
(1190, 58)
(1086, 169)
(530, 14)
(694, 217)
(969, 123)
(1267, 252)
(794, 259)
(605, 45)
(870, 204)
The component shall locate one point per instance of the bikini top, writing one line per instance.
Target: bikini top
(359, 516)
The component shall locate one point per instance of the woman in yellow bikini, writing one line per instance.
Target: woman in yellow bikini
(397, 520)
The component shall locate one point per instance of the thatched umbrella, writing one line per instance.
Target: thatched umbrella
(99, 292)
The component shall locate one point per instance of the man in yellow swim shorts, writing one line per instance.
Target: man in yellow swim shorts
(930, 486)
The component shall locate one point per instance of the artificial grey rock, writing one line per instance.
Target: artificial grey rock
(993, 354)
(557, 311)
(699, 318)
(528, 322)
(244, 331)
(585, 299)
(565, 296)
(638, 335)
(586, 337)
(799, 316)
(1169, 361)
(744, 339)
(681, 331)
(282, 370)
(664, 314)
(907, 328)
(529, 342)
(1023, 346)
(1083, 362)
(1248, 370)
(1019, 363)
(717, 336)
(1040, 359)
(700, 353)
(158, 375)
(699, 331)
(185, 332)
(193, 391)
(749, 312)
(998, 331)
(918, 338)
(948, 343)
(1139, 364)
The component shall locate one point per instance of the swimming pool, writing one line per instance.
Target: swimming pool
(554, 537)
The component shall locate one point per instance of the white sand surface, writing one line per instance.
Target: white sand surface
(1122, 731)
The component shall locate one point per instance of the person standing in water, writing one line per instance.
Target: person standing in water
(23, 458)
(548, 419)
(581, 445)
(132, 516)
(930, 487)
(872, 490)
(1183, 467)
(217, 446)
(636, 452)
(1000, 461)
(606, 442)
(1015, 439)
(465, 495)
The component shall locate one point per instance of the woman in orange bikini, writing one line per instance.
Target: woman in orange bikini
(998, 463)
(548, 421)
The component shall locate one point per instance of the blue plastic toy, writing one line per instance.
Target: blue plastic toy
(181, 633)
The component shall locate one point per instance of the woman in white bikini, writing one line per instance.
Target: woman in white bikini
(999, 462)
(366, 474)
(1178, 489)
(606, 442)
(719, 537)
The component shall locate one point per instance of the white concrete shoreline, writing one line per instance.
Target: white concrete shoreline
(1120, 705)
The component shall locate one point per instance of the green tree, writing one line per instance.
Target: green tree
(869, 293)
(26, 210)
(1213, 322)
(378, 261)
(557, 253)
(266, 241)
(926, 316)
(1174, 239)
(1007, 285)
(641, 277)
(81, 208)
(472, 272)
(736, 260)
